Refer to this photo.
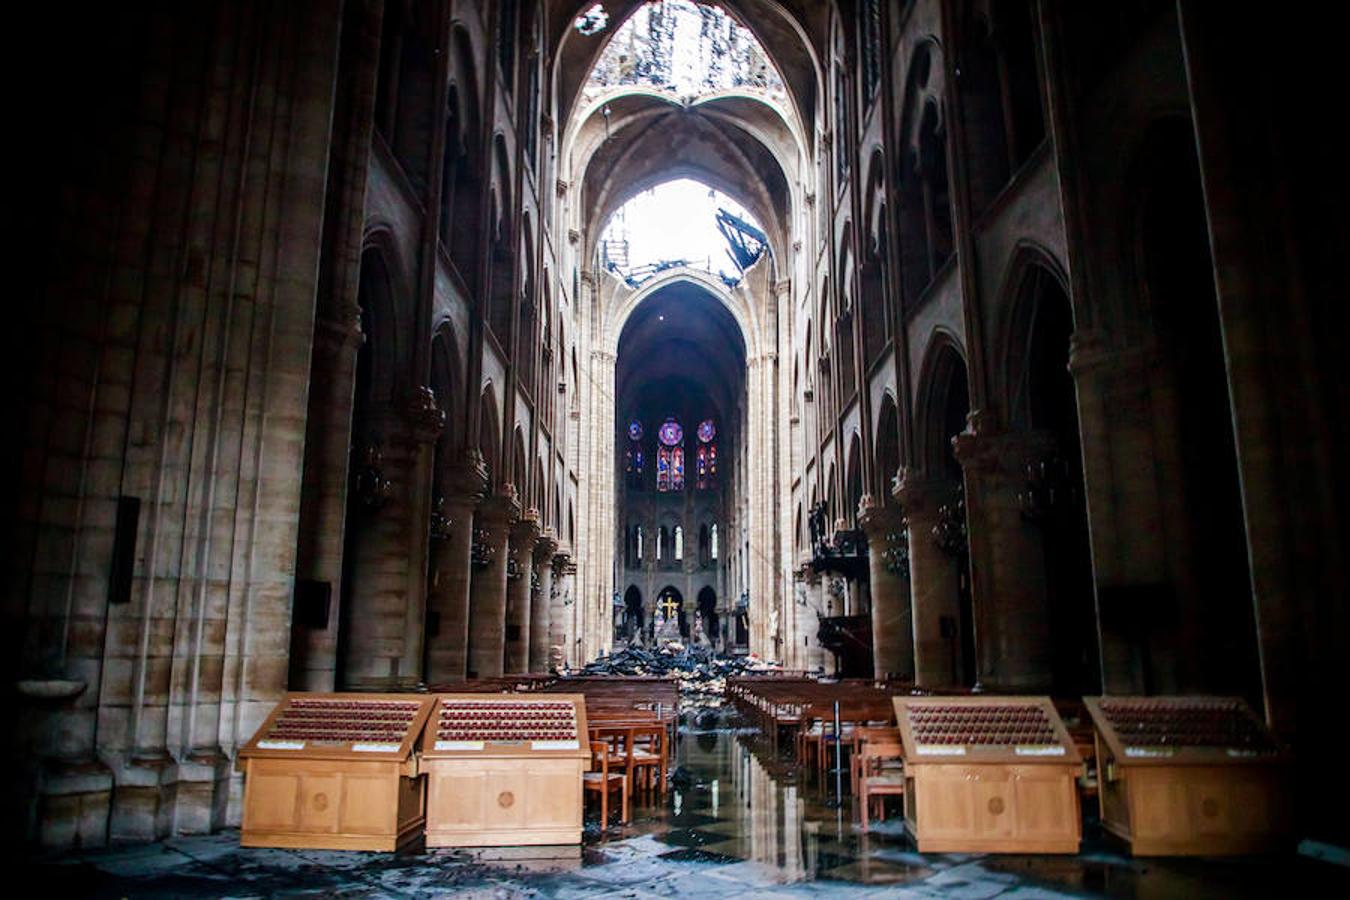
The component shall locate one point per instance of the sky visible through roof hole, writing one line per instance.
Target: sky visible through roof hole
(674, 221)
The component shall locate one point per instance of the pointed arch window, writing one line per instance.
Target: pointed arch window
(634, 459)
(639, 545)
(670, 457)
(660, 542)
(679, 543)
(705, 457)
(713, 532)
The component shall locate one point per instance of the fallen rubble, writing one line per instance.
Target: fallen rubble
(701, 673)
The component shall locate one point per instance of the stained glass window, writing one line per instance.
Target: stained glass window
(635, 430)
(633, 465)
(705, 460)
(671, 433)
(679, 542)
(714, 541)
(670, 457)
(663, 469)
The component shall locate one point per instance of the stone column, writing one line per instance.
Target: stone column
(448, 582)
(323, 496)
(816, 657)
(1007, 559)
(1124, 488)
(934, 582)
(487, 587)
(892, 626)
(425, 423)
(541, 603)
(523, 535)
(566, 613)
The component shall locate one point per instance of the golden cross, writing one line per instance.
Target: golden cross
(670, 606)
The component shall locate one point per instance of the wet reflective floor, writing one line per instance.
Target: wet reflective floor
(739, 821)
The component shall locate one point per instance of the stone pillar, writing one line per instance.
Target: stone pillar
(487, 587)
(1007, 560)
(448, 581)
(934, 582)
(565, 613)
(892, 625)
(541, 603)
(323, 497)
(815, 656)
(1124, 486)
(518, 582)
(425, 421)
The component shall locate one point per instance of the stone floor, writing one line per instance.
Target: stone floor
(736, 824)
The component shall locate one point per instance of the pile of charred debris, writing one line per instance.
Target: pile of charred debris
(701, 673)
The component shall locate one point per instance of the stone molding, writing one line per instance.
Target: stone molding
(337, 334)
(1090, 352)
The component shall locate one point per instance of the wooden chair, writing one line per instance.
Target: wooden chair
(620, 753)
(601, 780)
(649, 758)
(880, 768)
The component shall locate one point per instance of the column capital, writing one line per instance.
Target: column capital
(544, 547)
(919, 496)
(525, 530)
(1002, 453)
(465, 479)
(563, 564)
(877, 519)
(422, 414)
(498, 511)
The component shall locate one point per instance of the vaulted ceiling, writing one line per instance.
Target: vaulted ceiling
(792, 32)
(680, 340)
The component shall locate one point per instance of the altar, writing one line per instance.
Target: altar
(666, 624)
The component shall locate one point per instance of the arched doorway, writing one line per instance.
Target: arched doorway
(943, 610)
(1044, 401)
(707, 612)
(632, 612)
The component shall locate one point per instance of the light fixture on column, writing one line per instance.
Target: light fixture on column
(372, 488)
(440, 523)
(895, 557)
(481, 553)
(1048, 489)
(950, 531)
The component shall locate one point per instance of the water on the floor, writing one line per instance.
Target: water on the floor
(739, 820)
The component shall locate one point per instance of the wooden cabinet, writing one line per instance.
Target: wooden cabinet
(989, 774)
(505, 769)
(336, 772)
(1190, 776)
